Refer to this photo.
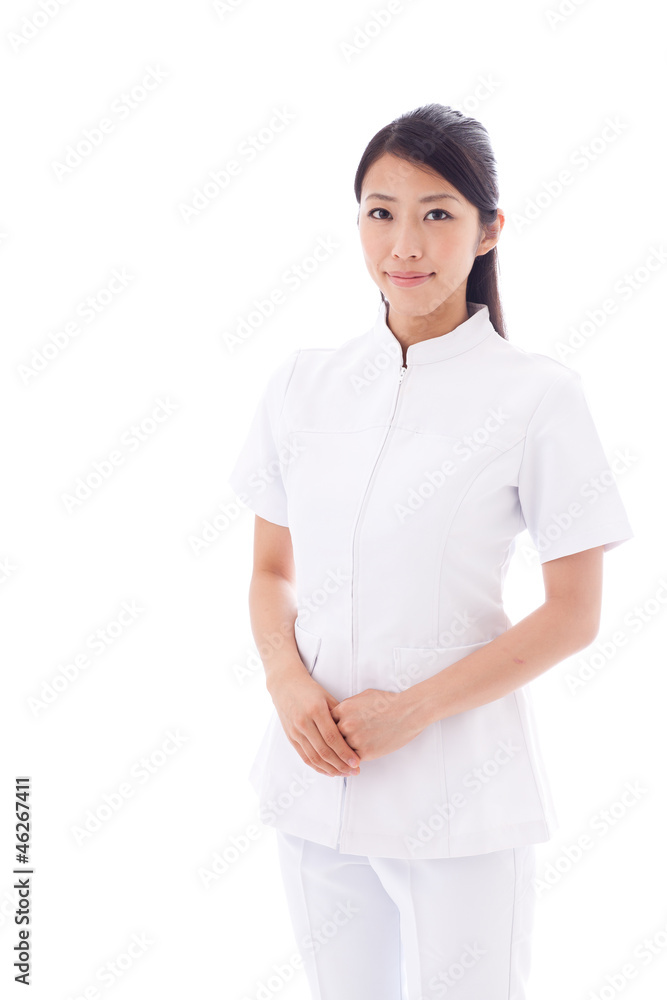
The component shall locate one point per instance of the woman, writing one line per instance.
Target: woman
(389, 477)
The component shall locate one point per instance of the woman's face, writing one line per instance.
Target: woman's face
(413, 220)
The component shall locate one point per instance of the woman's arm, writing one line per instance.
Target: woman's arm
(376, 722)
(303, 705)
(567, 621)
(272, 602)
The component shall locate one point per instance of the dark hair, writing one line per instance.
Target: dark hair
(457, 147)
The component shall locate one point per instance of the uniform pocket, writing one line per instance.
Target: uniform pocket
(308, 645)
(413, 664)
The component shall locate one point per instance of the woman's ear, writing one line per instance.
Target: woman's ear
(490, 235)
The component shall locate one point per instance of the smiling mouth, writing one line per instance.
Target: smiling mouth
(409, 280)
(409, 274)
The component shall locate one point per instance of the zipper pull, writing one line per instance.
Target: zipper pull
(400, 377)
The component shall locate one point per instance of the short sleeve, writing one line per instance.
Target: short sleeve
(257, 476)
(567, 491)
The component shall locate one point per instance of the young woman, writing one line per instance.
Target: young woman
(390, 476)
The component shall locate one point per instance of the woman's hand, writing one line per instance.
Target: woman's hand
(304, 709)
(375, 722)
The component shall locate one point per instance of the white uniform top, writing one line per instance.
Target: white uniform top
(404, 488)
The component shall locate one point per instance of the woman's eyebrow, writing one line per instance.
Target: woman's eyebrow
(428, 197)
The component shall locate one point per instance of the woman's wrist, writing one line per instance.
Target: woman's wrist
(417, 707)
(279, 672)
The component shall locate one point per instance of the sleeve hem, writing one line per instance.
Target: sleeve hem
(611, 535)
(260, 505)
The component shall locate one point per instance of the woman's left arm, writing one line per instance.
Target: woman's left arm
(567, 621)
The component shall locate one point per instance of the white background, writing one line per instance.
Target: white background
(544, 92)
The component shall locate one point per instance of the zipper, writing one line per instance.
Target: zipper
(344, 797)
(340, 817)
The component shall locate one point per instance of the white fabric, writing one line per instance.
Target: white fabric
(404, 492)
(393, 929)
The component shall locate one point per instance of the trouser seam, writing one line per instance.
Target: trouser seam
(511, 949)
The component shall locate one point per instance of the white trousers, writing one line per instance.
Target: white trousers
(371, 928)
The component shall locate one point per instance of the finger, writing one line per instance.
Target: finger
(314, 750)
(340, 744)
(310, 760)
(329, 742)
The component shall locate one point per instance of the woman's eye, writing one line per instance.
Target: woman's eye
(444, 214)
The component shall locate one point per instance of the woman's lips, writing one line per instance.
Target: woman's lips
(408, 282)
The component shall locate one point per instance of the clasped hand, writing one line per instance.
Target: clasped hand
(375, 722)
(323, 730)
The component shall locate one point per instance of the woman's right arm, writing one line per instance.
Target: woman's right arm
(302, 704)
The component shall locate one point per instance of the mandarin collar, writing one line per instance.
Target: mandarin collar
(468, 334)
